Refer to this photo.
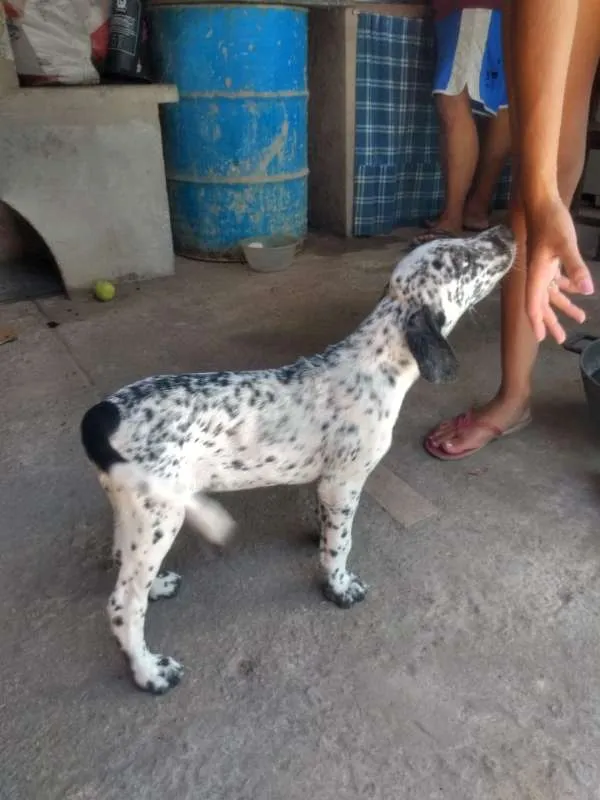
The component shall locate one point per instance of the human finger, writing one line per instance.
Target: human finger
(552, 325)
(537, 304)
(566, 305)
(576, 270)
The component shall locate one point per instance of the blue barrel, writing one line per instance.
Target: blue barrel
(236, 143)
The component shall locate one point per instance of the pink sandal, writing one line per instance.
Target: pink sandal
(466, 422)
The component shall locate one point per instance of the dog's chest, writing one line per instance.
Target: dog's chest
(370, 420)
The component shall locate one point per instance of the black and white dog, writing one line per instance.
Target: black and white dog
(162, 444)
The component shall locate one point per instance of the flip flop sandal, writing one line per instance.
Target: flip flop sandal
(431, 236)
(466, 422)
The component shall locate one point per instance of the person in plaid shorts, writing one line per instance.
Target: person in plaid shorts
(469, 79)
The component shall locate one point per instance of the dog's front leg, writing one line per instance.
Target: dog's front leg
(337, 506)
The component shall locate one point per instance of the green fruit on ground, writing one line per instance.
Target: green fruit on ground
(104, 290)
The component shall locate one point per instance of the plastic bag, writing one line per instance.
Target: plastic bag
(51, 40)
(98, 25)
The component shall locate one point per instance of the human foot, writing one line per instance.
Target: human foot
(468, 433)
(475, 218)
(432, 235)
(444, 223)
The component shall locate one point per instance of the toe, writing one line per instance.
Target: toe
(440, 433)
(159, 676)
(346, 598)
(165, 585)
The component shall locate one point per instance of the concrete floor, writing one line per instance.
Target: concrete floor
(472, 670)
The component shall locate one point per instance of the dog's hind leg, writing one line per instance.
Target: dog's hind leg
(166, 584)
(213, 521)
(120, 523)
(148, 529)
(338, 502)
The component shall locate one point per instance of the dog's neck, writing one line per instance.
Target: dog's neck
(379, 339)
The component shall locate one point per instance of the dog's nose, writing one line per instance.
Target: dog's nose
(501, 238)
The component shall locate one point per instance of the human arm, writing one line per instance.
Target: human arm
(539, 28)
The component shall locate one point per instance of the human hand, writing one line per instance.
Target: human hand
(552, 243)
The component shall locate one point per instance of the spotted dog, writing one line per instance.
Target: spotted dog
(163, 444)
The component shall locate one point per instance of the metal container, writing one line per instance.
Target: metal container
(588, 348)
(127, 57)
(236, 143)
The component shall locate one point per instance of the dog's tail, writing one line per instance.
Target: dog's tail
(205, 514)
(97, 426)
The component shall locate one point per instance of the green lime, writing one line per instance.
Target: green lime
(104, 290)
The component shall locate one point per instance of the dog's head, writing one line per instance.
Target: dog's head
(437, 282)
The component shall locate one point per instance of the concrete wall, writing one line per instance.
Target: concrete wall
(84, 166)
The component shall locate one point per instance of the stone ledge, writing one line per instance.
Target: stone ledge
(367, 5)
(86, 103)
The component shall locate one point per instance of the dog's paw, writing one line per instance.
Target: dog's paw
(165, 585)
(157, 674)
(354, 591)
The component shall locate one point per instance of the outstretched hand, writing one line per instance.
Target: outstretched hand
(552, 244)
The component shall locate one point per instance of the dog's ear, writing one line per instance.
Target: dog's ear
(436, 359)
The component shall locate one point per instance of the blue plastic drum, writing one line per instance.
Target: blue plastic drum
(236, 143)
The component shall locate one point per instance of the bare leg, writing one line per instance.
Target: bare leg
(459, 147)
(519, 348)
(495, 148)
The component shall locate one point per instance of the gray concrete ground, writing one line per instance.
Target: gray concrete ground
(472, 670)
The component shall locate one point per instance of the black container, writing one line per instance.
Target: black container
(588, 348)
(128, 54)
